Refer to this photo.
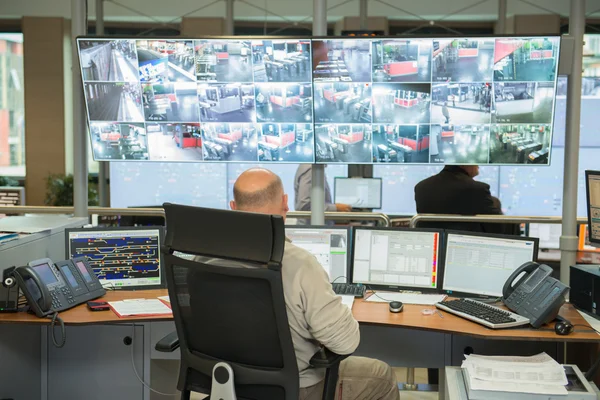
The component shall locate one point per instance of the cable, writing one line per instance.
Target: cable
(374, 293)
(63, 332)
(339, 277)
(135, 369)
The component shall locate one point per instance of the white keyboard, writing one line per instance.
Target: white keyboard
(482, 313)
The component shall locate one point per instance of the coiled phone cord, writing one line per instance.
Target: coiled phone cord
(63, 333)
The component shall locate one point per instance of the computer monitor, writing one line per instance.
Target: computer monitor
(592, 184)
(328, 244)
(358, 192)
(479, 264)
(122, 257)
(548, 235)
(397, 259)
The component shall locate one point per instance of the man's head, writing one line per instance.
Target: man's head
(259, 190)
(471, 170)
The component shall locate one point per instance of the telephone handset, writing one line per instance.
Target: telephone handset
(51, 288)
(536, 294)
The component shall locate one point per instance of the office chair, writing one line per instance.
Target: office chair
(229, 308)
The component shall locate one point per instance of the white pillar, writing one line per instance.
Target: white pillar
(501, 23)
(103, 166)
(364, 14)
(229, 17)
(317, 194)
(80, 167)
(568, 239)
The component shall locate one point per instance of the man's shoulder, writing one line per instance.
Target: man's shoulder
(298, 260)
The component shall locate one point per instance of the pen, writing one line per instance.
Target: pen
(440, 314)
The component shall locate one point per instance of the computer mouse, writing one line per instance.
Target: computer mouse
(563, 328)
(396, 306)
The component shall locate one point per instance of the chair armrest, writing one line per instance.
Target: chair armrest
(168, 344)
(325, 358)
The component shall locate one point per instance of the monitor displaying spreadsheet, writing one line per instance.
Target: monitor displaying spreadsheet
(329, 245)
(396, 259)
(479, 264)
(358, 192)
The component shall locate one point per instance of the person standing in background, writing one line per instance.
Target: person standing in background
(302, 193)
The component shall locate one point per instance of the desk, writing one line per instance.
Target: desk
(96, 358)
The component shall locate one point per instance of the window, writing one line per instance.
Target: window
(12, 107)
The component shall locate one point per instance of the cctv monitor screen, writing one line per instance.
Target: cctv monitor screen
(593, 205)
(479, 264)
(358, 192)
(339, 100)
(122, 258)
(329, 245)
(397, 258)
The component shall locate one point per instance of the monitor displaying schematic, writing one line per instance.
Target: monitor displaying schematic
(358, 192)
(479, 264)
(329, 245)
(122, 258)
(397, 258)
(592, 184)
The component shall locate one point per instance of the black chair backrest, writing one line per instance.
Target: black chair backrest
(229, 304)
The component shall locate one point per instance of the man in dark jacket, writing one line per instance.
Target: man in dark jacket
(454, 191)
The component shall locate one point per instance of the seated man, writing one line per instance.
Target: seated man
(316, 315)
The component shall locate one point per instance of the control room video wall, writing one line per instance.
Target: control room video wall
(383, 101)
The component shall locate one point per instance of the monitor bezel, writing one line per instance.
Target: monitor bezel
(161, 239)
(349, 249)
(588, 174)
(398, 288)
(454, 293)
(314, 123)
(341, 178)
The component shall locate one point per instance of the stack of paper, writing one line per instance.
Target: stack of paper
(486, 376)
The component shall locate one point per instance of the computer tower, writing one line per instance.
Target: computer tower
(585, 288)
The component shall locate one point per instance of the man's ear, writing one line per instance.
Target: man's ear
(286, 207)
(232, 205)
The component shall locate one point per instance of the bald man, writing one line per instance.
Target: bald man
(316, 315)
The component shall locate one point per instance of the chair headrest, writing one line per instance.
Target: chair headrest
(233, 235)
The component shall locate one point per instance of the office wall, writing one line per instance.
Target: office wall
(44, 103)
(194, 26)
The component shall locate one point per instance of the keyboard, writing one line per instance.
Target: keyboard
(484, 314)
(349, 289)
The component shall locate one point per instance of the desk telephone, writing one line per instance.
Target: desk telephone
(54, 287)
(536, 295)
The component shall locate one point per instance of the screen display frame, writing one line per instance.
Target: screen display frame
(440, 262)
(455, 293)
(555, 40)
(107, 283)
(339, 178)
(590, 214)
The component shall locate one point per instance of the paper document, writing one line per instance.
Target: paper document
(139, 308)
(164, 298)
(539, 374)
(347, 300)
(407, 298)
(594, 323)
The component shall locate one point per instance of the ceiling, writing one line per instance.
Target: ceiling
(293, 10)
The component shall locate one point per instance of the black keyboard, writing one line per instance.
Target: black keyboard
(484, 314)
(349, 289)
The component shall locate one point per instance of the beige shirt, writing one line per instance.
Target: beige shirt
(315, 313)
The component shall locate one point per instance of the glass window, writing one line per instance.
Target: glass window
(12, 107)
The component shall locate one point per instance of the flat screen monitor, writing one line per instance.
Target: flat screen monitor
(340, 100)
(548, 235)
(358, 192)
(329, 245)
(122, 258)
(592, 179)
(396, 259)
(479, 264)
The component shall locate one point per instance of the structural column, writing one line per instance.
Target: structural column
(364, 15)
(229, 17)
(80, 165)
(317, 195)
(568, 240)
(501, 23)
(104, 166)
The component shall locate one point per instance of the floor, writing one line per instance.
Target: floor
(420, 377)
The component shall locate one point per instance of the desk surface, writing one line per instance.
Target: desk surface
(365, 312)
